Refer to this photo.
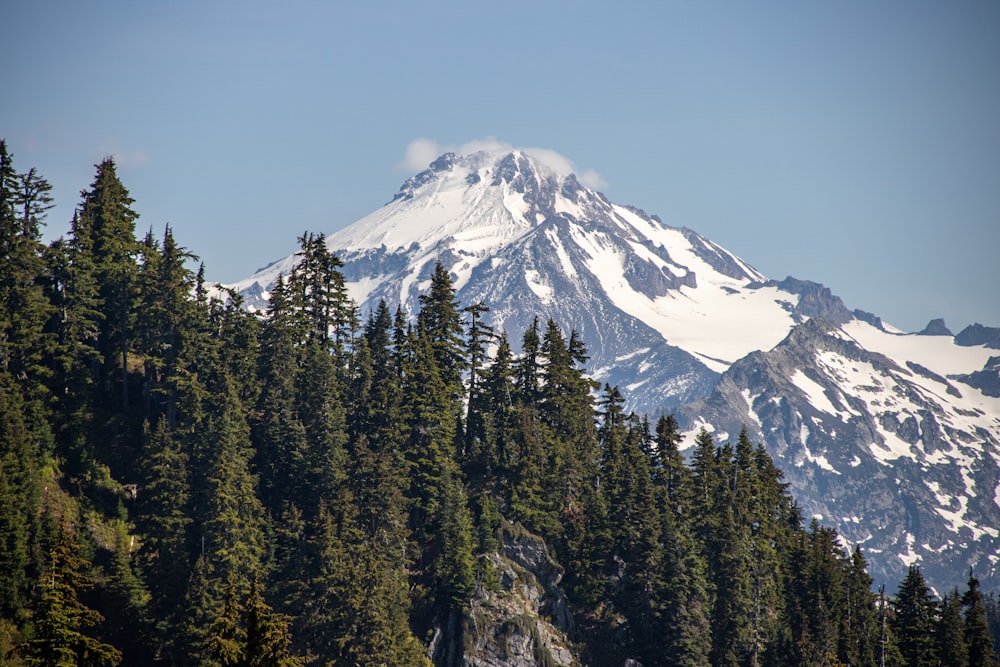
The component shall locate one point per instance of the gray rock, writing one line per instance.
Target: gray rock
(977, 334)
(518, 615)
(935, 327)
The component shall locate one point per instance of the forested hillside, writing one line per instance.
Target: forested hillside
(184, 482)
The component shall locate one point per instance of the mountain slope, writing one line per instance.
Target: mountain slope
(898, 458)
(662, 310)
(892, 438)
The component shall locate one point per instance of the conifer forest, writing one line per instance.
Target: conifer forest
(186, 482)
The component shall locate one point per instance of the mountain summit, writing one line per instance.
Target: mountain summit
(891, 437)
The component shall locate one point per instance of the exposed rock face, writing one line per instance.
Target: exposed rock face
(977, 334)
(935, 328)
(888, 453)
(518, 616)
(815, 300)
(986, 380)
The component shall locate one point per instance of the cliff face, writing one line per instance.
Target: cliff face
(518, 616)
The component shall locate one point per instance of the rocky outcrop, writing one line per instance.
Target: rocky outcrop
(977, 334)
(896, 457)
(518, 616)
(815, 300)
(986, 380)
(935, 327)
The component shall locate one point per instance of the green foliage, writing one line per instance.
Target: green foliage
(977, 635)
(915, 619)
(456, 565)
(950, 638)
(60, 618)
(288, 489)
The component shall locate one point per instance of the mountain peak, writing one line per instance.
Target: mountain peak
(850, 407)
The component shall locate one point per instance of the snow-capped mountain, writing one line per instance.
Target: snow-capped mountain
(893, 438)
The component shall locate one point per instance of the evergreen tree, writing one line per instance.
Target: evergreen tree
(432, 424)
(670, 471)
(859, 635)
(705, 479)
(226, 637)
(500, 415)
(977, 634)
(76, 361)
(729, 559)
(233, 523)
(18, 499)
(169, 322)
(24, 308)
(279, 435)
(915, 620)
(477, 449)
(164, 523)
(125, 605)
(268, 638)
(683, 619)
(320, 409)
(376, 412)
(950, 636)
(110, 221)
(440, 320)
(682, 614)
(456, 566)
(60, 618)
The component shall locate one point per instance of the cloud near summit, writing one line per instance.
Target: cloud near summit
(422, 151)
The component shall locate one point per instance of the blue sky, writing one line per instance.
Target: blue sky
(855, 144)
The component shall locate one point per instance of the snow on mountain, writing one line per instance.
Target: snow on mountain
(530, 241)
(893, 438)
(876, 435)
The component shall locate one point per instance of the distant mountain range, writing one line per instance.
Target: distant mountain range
(892, 438)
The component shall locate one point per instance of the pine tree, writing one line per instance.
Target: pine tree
(440, 320)
(915, 620)
(950, 635)
(455, 569)
(377, 485)
(76, 362)
(683, 617)
(60, 618)
(24, 308)
(110, 222)
(376, 412)
(859, 634)
(233, 524)
(683, 605)
(705, 478)
(729, 559)
(477, 450)
(320, 409)
(499, 415)
(164, 523)
(432, 424)
(268, 638)
(18, 499)
(125, 605)
(670, 472)
(279, 435)
(977, 634)
(169, 322)
(226, 637)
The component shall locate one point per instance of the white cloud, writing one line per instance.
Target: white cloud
(592, 179)
(422, 151)
(419, 154)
